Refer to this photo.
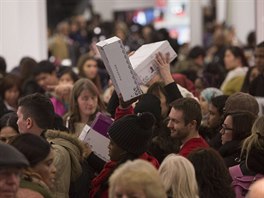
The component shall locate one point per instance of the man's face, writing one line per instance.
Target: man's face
(177, 125)
(9, 182)
(259, 59)
(45, 80)
(21, 122)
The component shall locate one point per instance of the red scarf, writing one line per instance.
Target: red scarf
(109, 166)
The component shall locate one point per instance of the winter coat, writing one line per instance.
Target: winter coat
(30, 189)
(230, 152)
(68, 155)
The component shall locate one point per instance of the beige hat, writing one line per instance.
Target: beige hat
(241, 102)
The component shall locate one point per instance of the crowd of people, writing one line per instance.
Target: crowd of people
(196, 131)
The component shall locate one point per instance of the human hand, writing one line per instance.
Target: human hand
(87, 150)
(131, 53)
(63, 90)
(163, 63)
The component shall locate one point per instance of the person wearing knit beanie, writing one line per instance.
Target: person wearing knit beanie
(129, 139)
(149, 103)
(25, 142)
(205, 98)
(41, 169)
(132, 133)
(210, 92)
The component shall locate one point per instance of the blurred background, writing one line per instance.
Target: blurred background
(36, 28)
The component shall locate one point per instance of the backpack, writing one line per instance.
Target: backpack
(241, 183)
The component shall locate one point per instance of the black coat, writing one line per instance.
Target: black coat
(230, 152)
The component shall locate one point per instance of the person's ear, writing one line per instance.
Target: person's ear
(193, 124)
(29, 122)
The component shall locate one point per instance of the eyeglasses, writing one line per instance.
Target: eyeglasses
(225, 129)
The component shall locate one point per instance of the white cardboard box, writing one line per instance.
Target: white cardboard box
(97, 142)
(143, 60)
(96, 135)
(119, 68)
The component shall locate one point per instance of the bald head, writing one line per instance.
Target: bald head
(256, 190)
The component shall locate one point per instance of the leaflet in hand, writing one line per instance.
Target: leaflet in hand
(96, 135)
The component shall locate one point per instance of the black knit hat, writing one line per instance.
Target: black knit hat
(35, 148)
(11, 157)
(133, 132)
(149, 103)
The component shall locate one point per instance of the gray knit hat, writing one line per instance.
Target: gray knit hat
(11, 157)
(133, 132)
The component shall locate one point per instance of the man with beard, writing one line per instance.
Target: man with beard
(184, 120)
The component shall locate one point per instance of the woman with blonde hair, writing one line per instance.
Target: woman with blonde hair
(251, 166)
(178, 176)
(136, 178)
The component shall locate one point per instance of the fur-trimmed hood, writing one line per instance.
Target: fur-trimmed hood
(70, 143)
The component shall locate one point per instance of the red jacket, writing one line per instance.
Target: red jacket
(191, 145)
(109, 166)
(119, 113)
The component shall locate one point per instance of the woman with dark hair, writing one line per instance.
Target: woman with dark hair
(40, 176)
(88, 68)
(236, 64)
(211, 174)
(236, 127)
(214, 120)
(10, 91)
(8, 127)
(26, 69)
(67, 76)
